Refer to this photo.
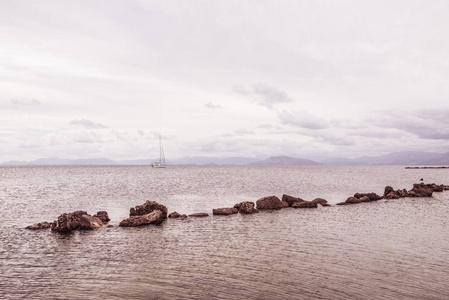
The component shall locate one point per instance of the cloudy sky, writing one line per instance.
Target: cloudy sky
(101, 78)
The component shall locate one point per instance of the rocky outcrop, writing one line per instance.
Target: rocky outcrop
(270, 202)
(321, 201)
(174, 215)
(290, 199)
(247, 207)
(199, 215)
(371, 196)
(37, 226)
(103, 216)
(87, 222)
(364, 199)
(350, 200)
(182, 217)
(305, 204)
(68, 221)
(421, 190)
(155, 217)
(148, 207)
(436, 188)
(225, 211)
(390, 193)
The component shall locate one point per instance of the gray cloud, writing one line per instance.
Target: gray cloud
(303, 119)
(263, 94)
(87, 124)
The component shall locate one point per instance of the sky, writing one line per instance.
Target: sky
(308, 79)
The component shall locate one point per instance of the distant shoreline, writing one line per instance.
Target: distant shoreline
(442, 167)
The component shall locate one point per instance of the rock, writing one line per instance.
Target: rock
(342, 203)
(421, 190)
(371, 196)
(103, 216)
(271, 202)
(155, 217)
(238, 205)
(445, 187)
(68, 221)
(87, 222)
(392, 195)
(225, 211)
(305, 204)
(436, 187)
(174, 215)
(182, 217)
(148, 207)
(388, 189)
(402, 193)
(199, 215)
(109, 226)
(290, 199)
(247, 207)
(319, 201)
(37, 226)
(353, 200)
(364, 199)
(325, 204)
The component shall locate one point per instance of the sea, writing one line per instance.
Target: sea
(388, 249)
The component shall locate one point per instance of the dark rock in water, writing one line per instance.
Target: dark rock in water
(237, 205)
(182, 217)
(390, 193)
(271, 202)
(247, 207)
(353, 200)
(199, 215)
(68, 222)
(402, 193)
(290, 199)
(364, 199)
(436, 187)
(305, 204)
(103, 216)
(445, 187)
(325, 204)
(109, 226)
(421, 190)
(148, 207)
(225, 211)
(342, 203)
(174, 215)
(87, 222)
(371, 196)
(320, 201)
(155, 217)
(37, 226)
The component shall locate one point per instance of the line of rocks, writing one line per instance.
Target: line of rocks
(153, 213)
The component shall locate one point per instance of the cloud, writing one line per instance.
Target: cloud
(87, 124)
(25, 102)
(303, 119)
(263, 94)
(211, 105)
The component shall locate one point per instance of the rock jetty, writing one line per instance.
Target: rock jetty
(149, 213)
(270, 203)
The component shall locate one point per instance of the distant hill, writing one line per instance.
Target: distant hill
(396, 158)
(284, 161)
(204, 160)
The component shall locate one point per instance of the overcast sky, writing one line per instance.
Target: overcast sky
(87, 79)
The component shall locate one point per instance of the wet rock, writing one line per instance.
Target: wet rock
(371, 196)
(342, 203)
(182, 217)
(421, 190)
(37, 226)
(436, 187)
(305, 204)
(325, 204)
(320, 201)
(174, 215)
(103, 216)
(247, 207)
(148, 207)
(155, 217)
(353, 200)
(109, 226)
(390, 193)
(237, 205)
(225, 211)
(270, 202)
(445, 187)
(290, 199)
(364, 199)
(87, 222)
(68, 221)
(402, 193)
(199, 215)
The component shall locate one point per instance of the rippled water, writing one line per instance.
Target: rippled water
(396, 249)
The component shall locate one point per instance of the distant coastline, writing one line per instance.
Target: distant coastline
(441, 167)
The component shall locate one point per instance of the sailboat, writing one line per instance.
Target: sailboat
(161, 162)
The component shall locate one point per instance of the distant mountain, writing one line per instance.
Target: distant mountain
(283, 161)
(396, 158)
(204, 160)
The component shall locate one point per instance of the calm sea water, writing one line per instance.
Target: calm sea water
(396, 249)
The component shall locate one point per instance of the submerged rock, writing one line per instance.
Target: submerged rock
(155, 217)
(87, 222)
(291, 200)
(199, 215)
(68, 221)
(321, 201)
(305, 204)
(247, 207)
(225, 211)
(148, 207)
(37, 226)
(271, 202)
(103, 216)
(174, 215)
(182, 217)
